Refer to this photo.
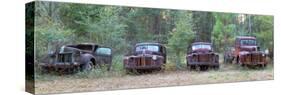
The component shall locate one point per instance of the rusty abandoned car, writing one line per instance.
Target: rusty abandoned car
(201, 56)
(246, 53)
(78, 57)
(145, 56)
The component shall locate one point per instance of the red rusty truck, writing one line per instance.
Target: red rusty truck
(246, 52)
(202, 56)
(145, 56)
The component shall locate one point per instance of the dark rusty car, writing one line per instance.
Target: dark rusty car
(202, 56)
(246, 52)
(78, 57)
(145, 56)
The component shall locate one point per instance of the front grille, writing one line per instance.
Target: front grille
(204, 58)
(65, 57)
(254, 58)
(137, 61)
(248, 58)
(143, 61)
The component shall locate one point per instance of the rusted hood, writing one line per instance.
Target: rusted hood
(250, 52)
(248, 48)
(142, 55)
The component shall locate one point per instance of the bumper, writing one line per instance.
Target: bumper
(59, 65)
(254, 63)
(203, 63)
(143, 66)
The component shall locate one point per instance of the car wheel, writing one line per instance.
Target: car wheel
(128, 71)
(192, 67)
(87, 66)
(203, 68)
(159, 69)
(216, 67)
(262, 66)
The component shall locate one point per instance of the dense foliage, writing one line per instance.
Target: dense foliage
(122, 27)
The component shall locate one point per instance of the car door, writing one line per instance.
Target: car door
(103, 55)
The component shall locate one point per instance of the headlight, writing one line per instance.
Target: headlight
(154, 57)
(263, 54)
(126, 58)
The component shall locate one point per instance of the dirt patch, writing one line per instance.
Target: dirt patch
(228, 73)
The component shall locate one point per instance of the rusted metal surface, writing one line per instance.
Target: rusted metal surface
(246, 52)
(146, 56)
(202, 54)
(78, 57)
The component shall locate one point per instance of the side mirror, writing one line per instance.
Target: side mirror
(258, 48)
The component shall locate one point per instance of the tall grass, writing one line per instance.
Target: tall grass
(116, 70)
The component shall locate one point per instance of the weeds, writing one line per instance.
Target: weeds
(117, 70)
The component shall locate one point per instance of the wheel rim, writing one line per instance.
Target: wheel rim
(89, 66)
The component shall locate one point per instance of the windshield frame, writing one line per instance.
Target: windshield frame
(201, 46)
(147, 46)
(254, 42)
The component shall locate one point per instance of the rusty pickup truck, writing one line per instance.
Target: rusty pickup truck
(202, 56)
(78, 57)
(145, 56)
(246, 53)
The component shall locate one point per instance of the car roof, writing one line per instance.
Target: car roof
(149, 43)
(93, 44)
(195, 43)
(245, 37)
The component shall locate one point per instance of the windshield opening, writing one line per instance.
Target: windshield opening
(201, 46)
(248, 42)
(153, 48)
